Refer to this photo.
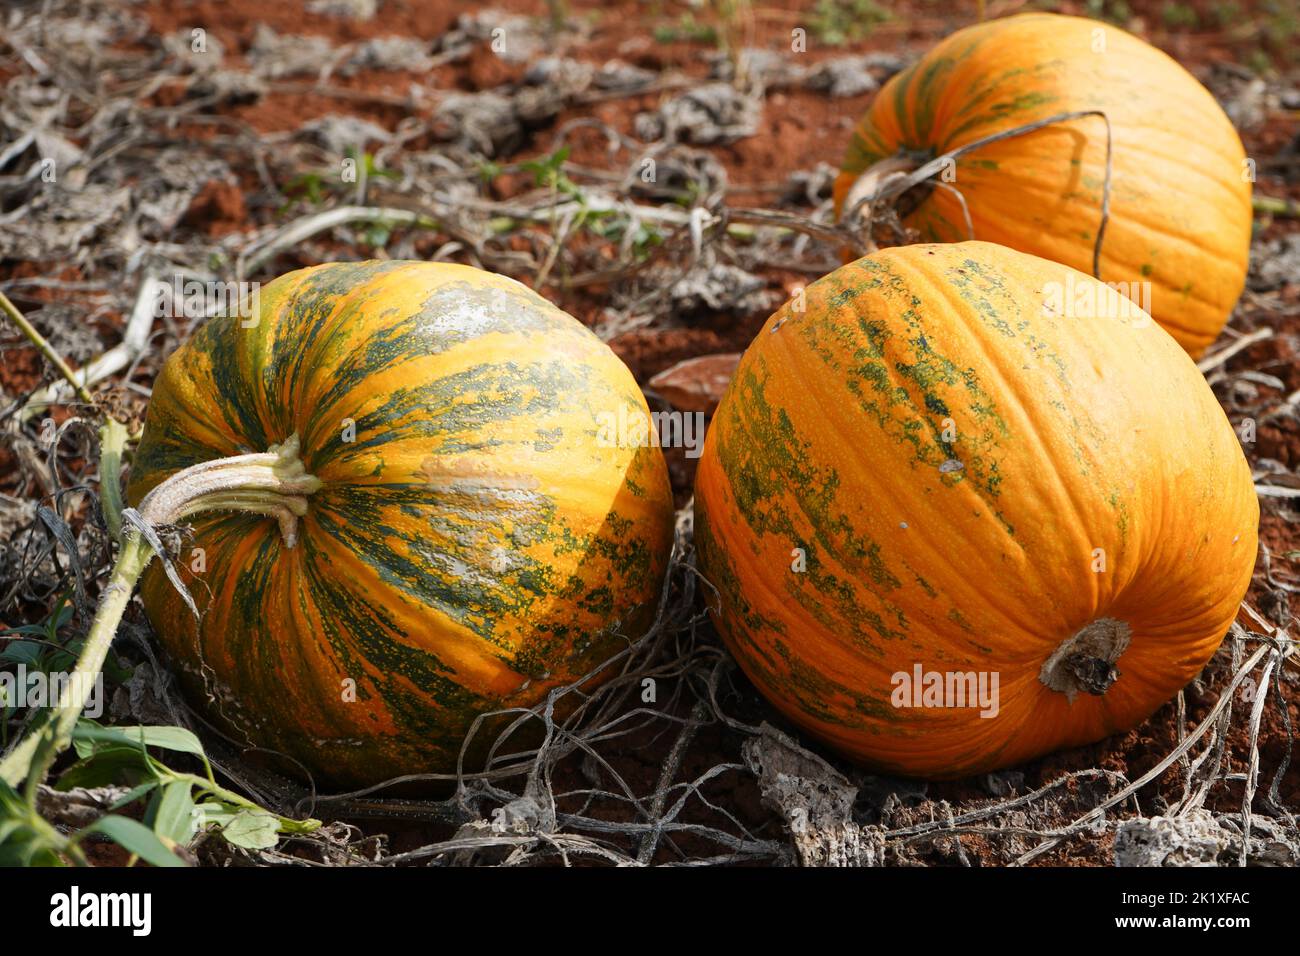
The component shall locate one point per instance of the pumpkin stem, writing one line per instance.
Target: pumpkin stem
(1086, 660)
(860, 205)
(878, 188)
(273, 483)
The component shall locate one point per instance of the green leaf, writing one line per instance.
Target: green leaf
(10, 799)
(25, 840)
(27, 849)
(546, 169)
(169, 738)
(108, 766)
(173, 815)
(253, 830)
(21, 652)
(8, 828)
(61, 613)
(132, 795)
(215, 811)
(134, 837)
(31, 630)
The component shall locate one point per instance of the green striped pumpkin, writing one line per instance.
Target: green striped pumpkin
(475, 542)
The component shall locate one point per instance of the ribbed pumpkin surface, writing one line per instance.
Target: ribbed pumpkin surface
(952, 452)
(1180, 196)
(473, 546)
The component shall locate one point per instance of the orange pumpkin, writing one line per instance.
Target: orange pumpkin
(958, 459)
(1180, 213)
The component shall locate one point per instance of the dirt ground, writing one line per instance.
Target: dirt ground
(187, 160)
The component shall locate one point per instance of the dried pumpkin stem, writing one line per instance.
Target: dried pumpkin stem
(1086, 660)
(273, 483)
(885, 181)
(862, 202)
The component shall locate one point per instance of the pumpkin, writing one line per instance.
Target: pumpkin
(961, 468)
(1180, 207)
(476, 539)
